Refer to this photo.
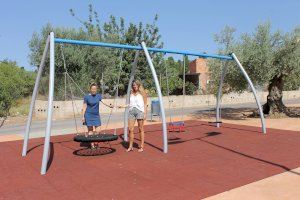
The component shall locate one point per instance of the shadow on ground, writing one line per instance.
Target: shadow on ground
(214, 133)
(238, 113)
(226, 113)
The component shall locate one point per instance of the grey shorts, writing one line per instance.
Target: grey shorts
(135, 113)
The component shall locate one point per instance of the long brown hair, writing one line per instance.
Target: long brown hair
(141, 89)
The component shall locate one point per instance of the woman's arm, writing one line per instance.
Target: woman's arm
(111, 106)
(123, 106)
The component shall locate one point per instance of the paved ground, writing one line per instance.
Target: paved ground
(65, 126)
(282, 186)
(203, 162)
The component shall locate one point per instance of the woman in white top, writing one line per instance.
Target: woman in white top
(137, 112)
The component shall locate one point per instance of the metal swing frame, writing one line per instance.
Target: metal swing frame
(50, 45)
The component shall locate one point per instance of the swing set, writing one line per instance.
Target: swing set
(50, 44)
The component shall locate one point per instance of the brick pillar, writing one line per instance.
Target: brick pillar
(199, 65)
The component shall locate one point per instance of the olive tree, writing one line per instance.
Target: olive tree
(271, 59)
(101, 65)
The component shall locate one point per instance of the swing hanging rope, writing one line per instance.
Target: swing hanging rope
(120, 69)
(168, 89)
(218, 121)
(183, 89)
(72, 94)
(70, 87)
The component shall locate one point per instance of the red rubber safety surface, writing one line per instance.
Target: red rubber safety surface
(201, 162)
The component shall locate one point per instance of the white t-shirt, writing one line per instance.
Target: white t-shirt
(137, 101)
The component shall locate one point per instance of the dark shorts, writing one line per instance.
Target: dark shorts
(135, 113)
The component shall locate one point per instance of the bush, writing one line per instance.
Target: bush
(15, 83)
(190, 88)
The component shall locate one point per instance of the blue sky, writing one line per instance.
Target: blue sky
(184, 25)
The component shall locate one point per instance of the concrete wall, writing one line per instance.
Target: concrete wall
(63, 109)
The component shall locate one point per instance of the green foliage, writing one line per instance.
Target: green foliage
(190, 88)
(264, 55)
(174, 70)
(88, 64)
(15, 83)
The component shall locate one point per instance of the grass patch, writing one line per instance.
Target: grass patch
(20, 107)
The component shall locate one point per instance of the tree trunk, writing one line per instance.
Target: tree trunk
(274, 105)
(2, 120)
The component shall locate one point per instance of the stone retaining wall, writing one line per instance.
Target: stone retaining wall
(64, 109)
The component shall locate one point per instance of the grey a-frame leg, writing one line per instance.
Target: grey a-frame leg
(262, 118)
(34, 95)
(132, 74)
(158, 91)
(50, 106)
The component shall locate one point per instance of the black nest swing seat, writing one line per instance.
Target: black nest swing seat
(95, 151)
(96, 138)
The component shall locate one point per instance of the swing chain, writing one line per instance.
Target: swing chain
(116, 88)
(72, 95)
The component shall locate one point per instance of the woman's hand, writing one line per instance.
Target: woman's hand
(123, 106)
(110, 105)
(83, 119)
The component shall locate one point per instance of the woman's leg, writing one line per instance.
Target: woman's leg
(98, 129)
(91, 132)
(131, 133)
(141, 133)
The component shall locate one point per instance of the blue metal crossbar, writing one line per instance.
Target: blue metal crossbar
(125, 46)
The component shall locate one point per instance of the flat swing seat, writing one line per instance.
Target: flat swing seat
(176, 126)
(179, 123)
(96, 138)
(217, 122)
